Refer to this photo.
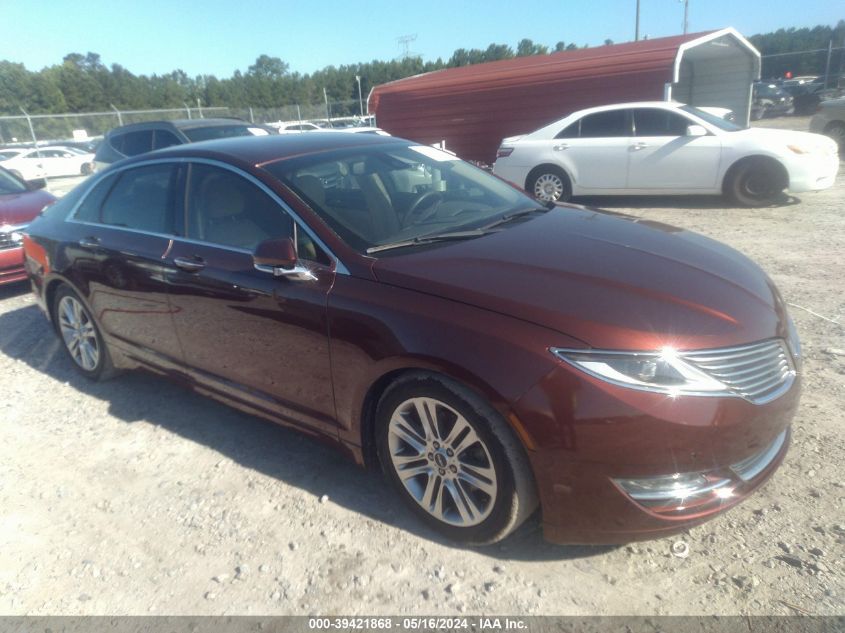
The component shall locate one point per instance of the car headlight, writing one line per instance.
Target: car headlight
(15, 233)
(662, 372)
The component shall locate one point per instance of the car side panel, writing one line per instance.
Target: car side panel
(377, 329)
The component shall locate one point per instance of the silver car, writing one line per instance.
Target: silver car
(830, 120)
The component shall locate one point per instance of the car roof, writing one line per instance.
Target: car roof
(261, 150)
(180, 124)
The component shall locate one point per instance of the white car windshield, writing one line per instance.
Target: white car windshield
(712, 119)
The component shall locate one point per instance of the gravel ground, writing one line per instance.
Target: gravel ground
(137, 497)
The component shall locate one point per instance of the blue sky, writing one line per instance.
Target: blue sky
(220, 36)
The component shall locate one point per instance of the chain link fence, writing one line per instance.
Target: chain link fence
(26, 129)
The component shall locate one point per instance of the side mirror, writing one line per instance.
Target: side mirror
(278, 258)
(696, 130)
(38, 183)
(276, 253)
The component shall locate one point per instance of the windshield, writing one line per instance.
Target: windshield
(9, 153)
(221, 131)
(10, 184)
(712, 119)
(382, 194)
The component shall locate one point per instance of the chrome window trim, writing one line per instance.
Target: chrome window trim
(299, 223)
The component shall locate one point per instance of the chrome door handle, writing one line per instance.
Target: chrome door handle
(560, 146)
(189, 265)
(637, 146)
(89, 242)
(296, 273)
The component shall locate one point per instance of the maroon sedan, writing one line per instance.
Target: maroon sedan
(489, 353)
(19, 205)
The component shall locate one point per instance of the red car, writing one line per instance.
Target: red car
(490, 353)
(19, 205)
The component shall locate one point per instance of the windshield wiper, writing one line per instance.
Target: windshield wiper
(508, 217)
(429, 239)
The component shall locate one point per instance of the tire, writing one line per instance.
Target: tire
(80, 336)
(836, 131)
(86, 169)
(549, 184)
(469, 479)
(756, 183)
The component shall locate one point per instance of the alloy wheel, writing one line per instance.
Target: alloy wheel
(442, 462)
(548, 187)
(78, 333)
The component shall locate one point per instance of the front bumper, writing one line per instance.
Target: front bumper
(600, 434)
(813, 172)
(11, 265)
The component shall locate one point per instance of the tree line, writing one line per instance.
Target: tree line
(83, 83)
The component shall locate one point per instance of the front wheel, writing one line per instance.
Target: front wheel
(81, 336)
(756, 184)
(549, 184)
(86, 169)
(454, 460)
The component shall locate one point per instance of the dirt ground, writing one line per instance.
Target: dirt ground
(137, 497)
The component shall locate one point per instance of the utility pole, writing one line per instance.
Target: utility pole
(827, 65)
(686, 16)
(637, 24)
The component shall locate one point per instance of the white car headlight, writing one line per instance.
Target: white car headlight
(662, 372)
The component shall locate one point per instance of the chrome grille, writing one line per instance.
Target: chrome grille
(6, 241)
(759, 372)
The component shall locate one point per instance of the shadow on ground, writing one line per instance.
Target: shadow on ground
(275, 451)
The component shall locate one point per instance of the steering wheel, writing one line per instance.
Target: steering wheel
(433, 197)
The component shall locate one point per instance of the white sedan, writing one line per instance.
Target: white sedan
(46, 162)
(664, 148)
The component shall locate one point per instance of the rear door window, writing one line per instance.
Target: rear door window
(142, 200)
(608, 124)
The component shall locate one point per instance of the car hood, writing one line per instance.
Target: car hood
(784, 136)
(611, 281)
(21, 208)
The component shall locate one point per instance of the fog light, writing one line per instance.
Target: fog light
(675, 487)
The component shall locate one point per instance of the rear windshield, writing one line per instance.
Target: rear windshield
(219, 131)
(10, 184)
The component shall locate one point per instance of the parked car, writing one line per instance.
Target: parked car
(46, 162)
(20, 203)
(830, 120)
(664, 148)
(140, 138)
(488, 352)
(295, 127)
(806, 96)
(768, 100)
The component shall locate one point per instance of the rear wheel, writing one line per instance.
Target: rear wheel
(453, 459)
(86, 169)
(549, 184)
(756, 183)
(81, 336)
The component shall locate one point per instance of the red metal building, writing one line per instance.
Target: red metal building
(472, 108)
